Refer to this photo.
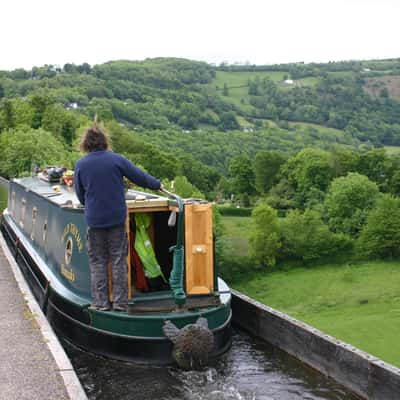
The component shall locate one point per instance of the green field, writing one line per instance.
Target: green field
(392, 150)
(359, 304)
(241, 78)
(238, 232)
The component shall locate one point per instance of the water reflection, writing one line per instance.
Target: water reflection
(251, 370)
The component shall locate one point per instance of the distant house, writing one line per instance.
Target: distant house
(288, 82)
(72, 106)
(366, 70)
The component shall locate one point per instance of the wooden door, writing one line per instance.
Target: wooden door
(199, 249)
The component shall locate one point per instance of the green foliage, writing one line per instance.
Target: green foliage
(309, 172)
(24, 147)
(228, 121)
(235, 211)
(39, 103)
(242, 173)
(201, 175)
(376, 165)
(128, 143)
(305, 237)
(266, 168)
(182, 187)
(380, 237)
(348, 202)
(8, 115)
(265, 238)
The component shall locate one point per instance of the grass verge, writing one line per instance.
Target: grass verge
(359, 304)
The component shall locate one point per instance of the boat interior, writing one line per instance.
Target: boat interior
(162, 233)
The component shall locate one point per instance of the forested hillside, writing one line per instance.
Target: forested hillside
(280, 107)
(177, 112)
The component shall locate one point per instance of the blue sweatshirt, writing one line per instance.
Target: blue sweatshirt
(99, 187)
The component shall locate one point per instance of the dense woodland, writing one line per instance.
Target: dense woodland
(310, 147)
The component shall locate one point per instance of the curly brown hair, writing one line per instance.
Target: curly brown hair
(94, 139)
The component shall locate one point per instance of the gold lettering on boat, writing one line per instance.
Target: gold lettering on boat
(68, 273)
(74, 232)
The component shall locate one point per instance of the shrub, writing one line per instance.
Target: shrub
(235, 212)
(265, 239)
(305, 237)
(348, 202)
(24, 147)
(380, 237)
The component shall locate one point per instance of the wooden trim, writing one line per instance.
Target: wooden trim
(199, 249)
(153, 209)
(128, 261)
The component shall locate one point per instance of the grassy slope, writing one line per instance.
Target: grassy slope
(359, 304)
(238, 229)
(237, 84)
(392, 150)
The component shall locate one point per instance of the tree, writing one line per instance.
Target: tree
(241, 170)
(265, 238)
(190, 115)
(266, 168)
(202, 176)
(185, 189)
(23, 147)
(380, 237)
(39, 104)
(225, 91)
(8, 115)
(344, 161)
(61, 122)
(1, 91)
(305, 237)
(375, 164)
(348, 202)
(228, 121)
(309, 172)
(84, 68)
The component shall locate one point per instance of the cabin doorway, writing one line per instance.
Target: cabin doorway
(150, 238)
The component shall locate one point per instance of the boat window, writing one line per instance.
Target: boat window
(34, 215)
(68, 250)
(44, 230)
(23, 210)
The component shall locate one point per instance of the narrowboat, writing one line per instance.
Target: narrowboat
(44, 227)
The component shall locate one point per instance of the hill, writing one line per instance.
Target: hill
(214, 113)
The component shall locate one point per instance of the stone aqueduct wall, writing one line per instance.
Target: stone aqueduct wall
(362, 373)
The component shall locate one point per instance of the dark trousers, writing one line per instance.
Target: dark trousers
(104, 245)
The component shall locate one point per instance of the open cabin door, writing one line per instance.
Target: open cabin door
(199, 256)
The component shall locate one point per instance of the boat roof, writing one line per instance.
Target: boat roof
(64, 195)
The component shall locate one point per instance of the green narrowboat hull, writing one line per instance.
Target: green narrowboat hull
(37, 229)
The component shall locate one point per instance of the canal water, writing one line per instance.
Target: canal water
(250, 370)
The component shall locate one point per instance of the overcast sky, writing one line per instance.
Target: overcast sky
(34, 33)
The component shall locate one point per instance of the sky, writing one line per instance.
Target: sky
(38, 32)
